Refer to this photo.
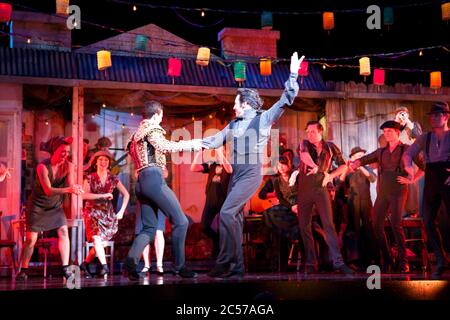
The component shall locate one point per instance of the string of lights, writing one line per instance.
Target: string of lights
(135, 4)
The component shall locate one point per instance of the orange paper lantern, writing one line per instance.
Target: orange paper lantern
(328, 21)
(5, 12)
(203, 56)
(103, 59)
(265, 67)
(445, 11)
(364, 66)
(62, 7)
(435, 80)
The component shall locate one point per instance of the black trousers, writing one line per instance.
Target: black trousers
(154, 194)
(309, 195)
(435, 192)
(209, 213)
(391, 198)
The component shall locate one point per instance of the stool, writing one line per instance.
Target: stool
(110, 254)
(411, 224)
(45, 244)
(10, 245)
(294, 245)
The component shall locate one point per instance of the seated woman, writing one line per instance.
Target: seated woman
(54, 179)
(99, 217)
(282, 218)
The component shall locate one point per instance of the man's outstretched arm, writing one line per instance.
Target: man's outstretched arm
(287, 98)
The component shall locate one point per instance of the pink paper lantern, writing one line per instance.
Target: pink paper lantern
(303, 71)
(378, 77)
(174, 69)
(5, 12)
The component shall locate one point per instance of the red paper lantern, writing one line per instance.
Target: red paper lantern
(174, 69)
(303, 71)
(378, 77)
(5, 12)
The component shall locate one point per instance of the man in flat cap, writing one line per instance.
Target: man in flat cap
(392, 192)
(435, 147)
(360, 207)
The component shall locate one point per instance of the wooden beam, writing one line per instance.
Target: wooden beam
(397, 96)
(77, 147)
(307, 94)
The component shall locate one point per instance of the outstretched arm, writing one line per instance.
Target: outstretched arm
(157, 139)
(287, 98)
(217, 140)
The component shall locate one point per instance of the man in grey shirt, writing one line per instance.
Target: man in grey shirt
(435, 146)
(246, 138)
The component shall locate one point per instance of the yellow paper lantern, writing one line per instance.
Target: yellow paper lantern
(203, 55)
(62, 7)
(328, 20)
(435, 80)
(265, 67)
(364, 66)
(103, 59)
(445, 11)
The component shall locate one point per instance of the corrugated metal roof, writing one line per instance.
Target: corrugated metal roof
(81, 66)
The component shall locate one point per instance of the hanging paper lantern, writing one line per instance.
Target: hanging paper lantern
(364, 66)
(203, 55)
(378, 77)
(62, 7)
(328, 21)
(445, 11)
(141, 42)
(435, 80)
(388, 16)
(303, 71)
(174, 69)
(103, 59)
(265, 67)
(266, 20)
(5, 12)
(239, 71)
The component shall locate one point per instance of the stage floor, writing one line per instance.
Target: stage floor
(333, 295)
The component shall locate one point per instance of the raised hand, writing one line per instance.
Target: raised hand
(296, 62)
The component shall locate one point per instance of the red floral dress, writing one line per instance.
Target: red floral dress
(99, 216)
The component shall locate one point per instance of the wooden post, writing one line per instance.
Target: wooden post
(77, 146)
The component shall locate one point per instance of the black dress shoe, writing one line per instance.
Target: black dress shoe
(159, 271)
(185, 272)
(104, 271)
(219, 270)
(22, 276)
(344, 269)
(134, 275)
(85, 268)
(234, 274)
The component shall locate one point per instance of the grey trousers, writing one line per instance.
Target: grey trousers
(244, 182)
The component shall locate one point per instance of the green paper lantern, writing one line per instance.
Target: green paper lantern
(239, 71)
(266, 20)
(388, 16)
(141, 42)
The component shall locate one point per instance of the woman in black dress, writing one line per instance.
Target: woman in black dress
(54, 179)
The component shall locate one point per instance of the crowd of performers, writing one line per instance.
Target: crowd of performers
(322, 198)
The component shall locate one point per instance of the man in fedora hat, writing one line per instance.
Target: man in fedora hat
(392, 191)
(360, 206)
(435, 147)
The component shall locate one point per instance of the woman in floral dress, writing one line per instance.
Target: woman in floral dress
(100, 220)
